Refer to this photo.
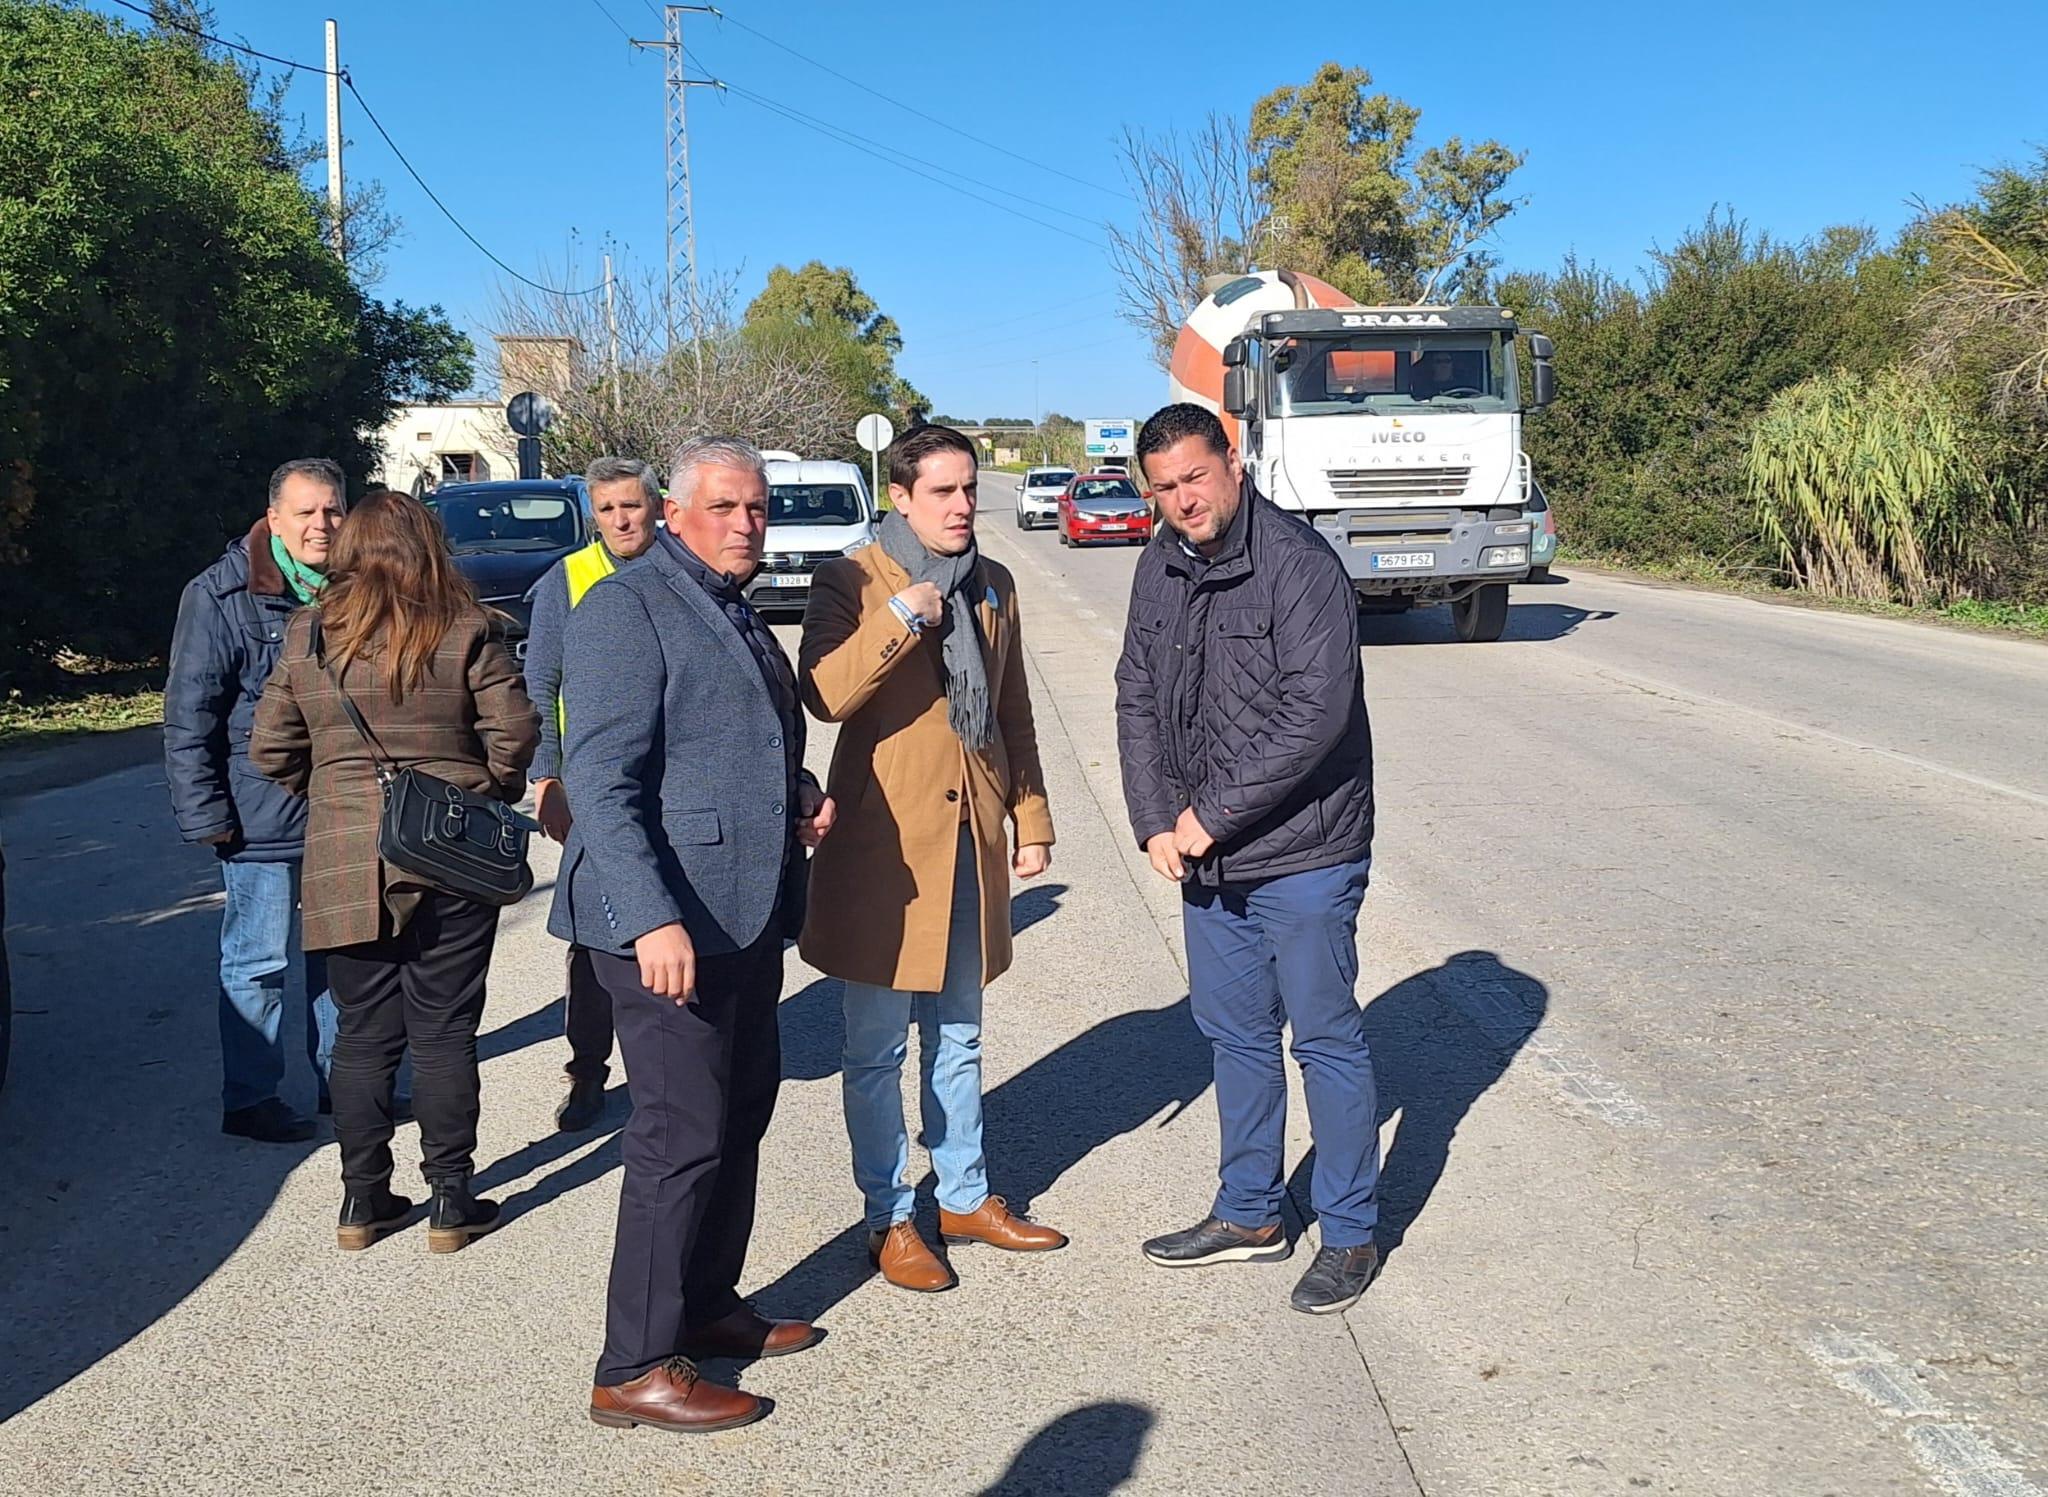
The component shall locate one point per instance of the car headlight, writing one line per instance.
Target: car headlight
(856, 546)
(1505, 556)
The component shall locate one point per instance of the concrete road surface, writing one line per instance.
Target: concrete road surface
(1702, 975)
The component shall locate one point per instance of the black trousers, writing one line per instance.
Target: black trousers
(423, 987)
(703, 1079)
(587, 1020)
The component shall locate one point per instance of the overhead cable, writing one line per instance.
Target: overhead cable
(370, 115)
(928, 118)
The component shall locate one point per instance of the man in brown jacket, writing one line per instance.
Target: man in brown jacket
(913, 646)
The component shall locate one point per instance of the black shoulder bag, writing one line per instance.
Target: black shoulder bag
(441, 834)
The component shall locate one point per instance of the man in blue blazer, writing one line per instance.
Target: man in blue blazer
(683, 874)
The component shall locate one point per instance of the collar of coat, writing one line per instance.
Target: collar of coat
(264, 576)
(1233, 558)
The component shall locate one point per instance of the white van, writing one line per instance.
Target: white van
(817, 510)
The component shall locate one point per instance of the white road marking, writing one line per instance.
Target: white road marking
(1506, 1021)
(1961, 1461)
(1807, 730)
(1964, 1463)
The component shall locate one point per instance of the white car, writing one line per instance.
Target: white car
(816, 510)
(1038, 496)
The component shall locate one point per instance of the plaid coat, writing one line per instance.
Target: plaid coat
(470, 722)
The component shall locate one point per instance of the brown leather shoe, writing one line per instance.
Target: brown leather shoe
(907, 1261)
(746, 1333)
(673, 1397)
(994, 1223)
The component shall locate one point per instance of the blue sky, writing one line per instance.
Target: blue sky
(543, 130)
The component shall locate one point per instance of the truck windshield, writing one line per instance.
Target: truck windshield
(1390, 372)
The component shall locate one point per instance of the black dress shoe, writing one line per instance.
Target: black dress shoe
(1213, 1240)
(367, 1215)
(1336, 1280)
(457, 1216)
(268, 1122)
(582, 1107)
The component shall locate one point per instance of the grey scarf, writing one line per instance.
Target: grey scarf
(956, 578)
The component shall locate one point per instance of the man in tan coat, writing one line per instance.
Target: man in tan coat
(913, 646)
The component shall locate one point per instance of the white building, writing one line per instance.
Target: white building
(468, 441)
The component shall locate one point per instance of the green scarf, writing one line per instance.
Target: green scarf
(299, 577)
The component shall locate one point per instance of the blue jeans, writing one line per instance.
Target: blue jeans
(1284, 951)
(255, 953)
(949, 1065)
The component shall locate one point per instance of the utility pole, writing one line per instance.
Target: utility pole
(611, 325)
(682, 230)
(336, 230)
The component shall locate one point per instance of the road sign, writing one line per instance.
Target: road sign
(529, 414)
(874, 433)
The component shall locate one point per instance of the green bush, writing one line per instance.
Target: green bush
(172, 326)
(1874, 488)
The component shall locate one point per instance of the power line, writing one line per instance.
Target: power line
(1015, 363)
(283, 62)
(370, 115)
(847, 138)
(921, 161)
(1026, 336)
(622, 31)
(930, 118)
(980, 328)
(447, 212)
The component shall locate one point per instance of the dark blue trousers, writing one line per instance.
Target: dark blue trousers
(1280, 952)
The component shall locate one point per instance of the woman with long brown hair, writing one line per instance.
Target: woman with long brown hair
(398, 629)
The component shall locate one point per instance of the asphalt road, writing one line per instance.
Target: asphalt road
(1771, 885)
(1700, 969)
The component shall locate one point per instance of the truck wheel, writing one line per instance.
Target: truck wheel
(1481, 615)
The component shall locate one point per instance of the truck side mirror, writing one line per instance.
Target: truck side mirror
(1236, 391)
(1234, 354)
(1545, 378)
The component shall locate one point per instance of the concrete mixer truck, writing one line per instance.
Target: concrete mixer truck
(1395, 431)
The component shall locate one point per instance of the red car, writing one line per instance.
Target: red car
(1104, 507)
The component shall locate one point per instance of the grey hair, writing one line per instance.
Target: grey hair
(711, 452)
(320, 469)
(624, 470)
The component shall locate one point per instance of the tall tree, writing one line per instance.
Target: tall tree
(1335, 165)
(171, 327)
(821, 311)
(1325, 179)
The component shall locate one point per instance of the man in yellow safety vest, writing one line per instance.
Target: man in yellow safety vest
(625, 498)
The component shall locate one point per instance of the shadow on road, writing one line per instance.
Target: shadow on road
(1100, 1085)
(1033, 903)
(813, 1023)
(1087, 1452)
(1440, 1040)
(119, 1197)
(1527, 623)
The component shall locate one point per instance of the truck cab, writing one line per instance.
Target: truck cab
(1397, 433)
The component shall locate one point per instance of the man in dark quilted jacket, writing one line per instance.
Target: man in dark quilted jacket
(1247, 767)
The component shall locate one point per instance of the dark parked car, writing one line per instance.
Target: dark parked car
(505, 535)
